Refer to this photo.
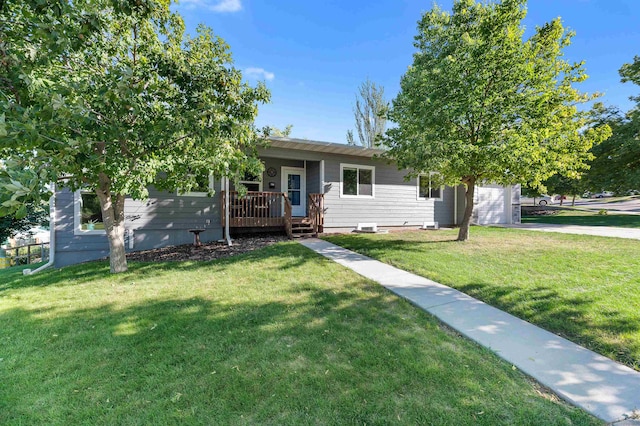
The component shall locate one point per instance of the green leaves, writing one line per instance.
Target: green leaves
(481, 101)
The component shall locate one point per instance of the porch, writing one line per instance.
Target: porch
(258, 209)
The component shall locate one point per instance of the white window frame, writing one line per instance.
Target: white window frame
(77, 215)
(259, 182)
(198, 193)
(425, 175)
(357, 167)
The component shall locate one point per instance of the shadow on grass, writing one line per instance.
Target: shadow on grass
(350, 357)
(572, 318)
(86, 272)
(367, 244)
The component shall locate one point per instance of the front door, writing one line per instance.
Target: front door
(293, 184)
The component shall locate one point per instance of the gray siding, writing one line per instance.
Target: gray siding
(277, 163)
(395, 200)
(164, 219)
(313, 177)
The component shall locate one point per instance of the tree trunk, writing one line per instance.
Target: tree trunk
(561, 198)
(573, 201)
(113, 217)
(463, 233)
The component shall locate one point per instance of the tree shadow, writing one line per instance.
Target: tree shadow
(353, 356)
(294, 254)
(569, 317)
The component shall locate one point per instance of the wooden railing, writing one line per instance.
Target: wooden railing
(288, 210)
(26, 254)
(315, 212)
(254, 209)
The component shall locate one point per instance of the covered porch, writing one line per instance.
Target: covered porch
(288, 195)
(257, 209)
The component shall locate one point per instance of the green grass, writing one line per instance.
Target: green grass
(581, 287)
(585, 218)
(277, 336)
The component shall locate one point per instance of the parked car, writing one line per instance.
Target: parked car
(544, 200)
(603, 194)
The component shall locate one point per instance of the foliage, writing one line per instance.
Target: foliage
(36, 215)
(563, 185)
(370, 112)
(113, 96)
(278, 336)
(616, 166)
(582, 287)
(481, 104)
(281, 133)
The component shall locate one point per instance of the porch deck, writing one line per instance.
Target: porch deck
(271, 210)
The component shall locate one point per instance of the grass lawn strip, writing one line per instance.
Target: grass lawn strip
(584, 288)
(276, 336)
(586, 218)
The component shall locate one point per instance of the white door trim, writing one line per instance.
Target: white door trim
(302, 209)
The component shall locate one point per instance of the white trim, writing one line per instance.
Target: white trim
(198, 193)
(418, 197)
(358, 167)
(251, 182)
(303, 187)
(77, 213)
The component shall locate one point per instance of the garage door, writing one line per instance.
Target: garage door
(491, 205)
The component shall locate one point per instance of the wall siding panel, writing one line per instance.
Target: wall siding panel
(161, 220)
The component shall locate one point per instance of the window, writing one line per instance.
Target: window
(203, 186)
(430, 187)
(357, 181)
(87, 213)
(252, 182)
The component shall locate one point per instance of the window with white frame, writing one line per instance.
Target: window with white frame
(430, 186)
(203, 186)
(252, 182)
(87, 213)
(357, 181)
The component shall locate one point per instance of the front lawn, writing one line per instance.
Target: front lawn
(586, 218)
(582, 287)
(277, 336)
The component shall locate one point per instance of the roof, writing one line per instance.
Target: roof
(326, 147)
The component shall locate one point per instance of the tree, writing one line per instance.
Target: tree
(563, 185)
(112, 96)
(481, 104)
(616, 166)
(370, 113)
(280, 133)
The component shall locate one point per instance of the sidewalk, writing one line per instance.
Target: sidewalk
(604, 388)
(600, 231)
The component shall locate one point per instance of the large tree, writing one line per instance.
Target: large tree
(616, 166)
(370, 112)
(112, 96)
(482, 104)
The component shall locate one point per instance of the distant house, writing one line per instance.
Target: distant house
(306, 186)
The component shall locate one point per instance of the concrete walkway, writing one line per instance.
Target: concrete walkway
(600, 231)
(604, 388)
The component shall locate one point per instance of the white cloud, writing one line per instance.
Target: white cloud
(259, 74)
(221, 6)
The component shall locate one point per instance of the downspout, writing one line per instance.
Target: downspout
(52, 236)
(226, 212)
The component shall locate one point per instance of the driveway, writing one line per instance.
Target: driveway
(600, 231)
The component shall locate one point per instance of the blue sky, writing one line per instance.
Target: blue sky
(314, 55)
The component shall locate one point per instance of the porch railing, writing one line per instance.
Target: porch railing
(254, 209)
(315, 212)
(288, 213)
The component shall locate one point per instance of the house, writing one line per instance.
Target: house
(306, 185)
